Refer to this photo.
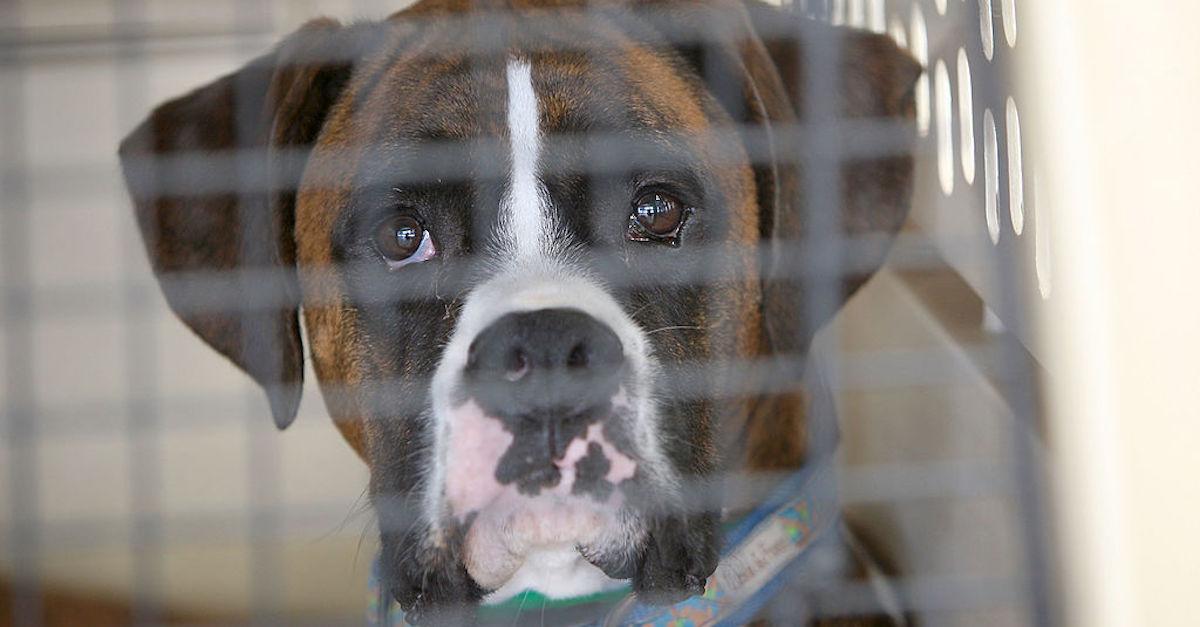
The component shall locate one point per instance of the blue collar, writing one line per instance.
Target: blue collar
(769, 547)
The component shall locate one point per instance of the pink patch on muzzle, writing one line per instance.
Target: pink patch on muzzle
(621, 467)
(478, 441)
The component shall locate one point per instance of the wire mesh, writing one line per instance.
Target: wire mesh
(144, 479)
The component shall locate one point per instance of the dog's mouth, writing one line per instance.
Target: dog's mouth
(554, 482)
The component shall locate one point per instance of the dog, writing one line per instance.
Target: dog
(539, 247)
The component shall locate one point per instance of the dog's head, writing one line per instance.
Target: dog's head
(544, 252)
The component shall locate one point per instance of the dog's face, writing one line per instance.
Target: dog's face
(530, 251)
(553, 231)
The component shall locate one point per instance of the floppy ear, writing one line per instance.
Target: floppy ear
(870, 87)
(212, 175)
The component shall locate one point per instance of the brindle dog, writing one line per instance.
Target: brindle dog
(559, 262)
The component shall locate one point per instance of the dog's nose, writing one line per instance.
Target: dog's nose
(553, 369)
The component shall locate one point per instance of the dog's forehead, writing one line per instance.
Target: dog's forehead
(432, 109)
(617, 85)
(441, 73)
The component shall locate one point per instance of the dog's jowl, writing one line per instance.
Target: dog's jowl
(539, 248)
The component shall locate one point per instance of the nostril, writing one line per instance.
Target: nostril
(578, 357)
(516, 365)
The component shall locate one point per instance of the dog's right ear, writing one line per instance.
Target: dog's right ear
(213, 176)
(871, 89)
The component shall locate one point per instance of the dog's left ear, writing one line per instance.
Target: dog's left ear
(869, 84)
(213, 176)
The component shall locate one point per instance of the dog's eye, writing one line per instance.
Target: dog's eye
(657, 217)
(403, 240)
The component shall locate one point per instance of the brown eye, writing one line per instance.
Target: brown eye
(400, 238)
(658, 216)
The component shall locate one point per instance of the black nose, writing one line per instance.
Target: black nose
(552, 371)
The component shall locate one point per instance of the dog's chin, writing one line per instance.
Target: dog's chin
(556, 571)
(552, 543)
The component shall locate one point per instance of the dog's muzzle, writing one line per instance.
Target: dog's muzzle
(548, 376)
(535, 414)
(546, 437)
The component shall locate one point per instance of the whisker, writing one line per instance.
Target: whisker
(524, 598)
(362, 537)
(358, 508)
(675, 328)
(635, 312)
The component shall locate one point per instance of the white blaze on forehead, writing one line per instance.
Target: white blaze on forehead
(526, 223)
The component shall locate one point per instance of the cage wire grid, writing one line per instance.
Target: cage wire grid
(972, 213)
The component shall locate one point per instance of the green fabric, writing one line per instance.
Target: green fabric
(534, 600)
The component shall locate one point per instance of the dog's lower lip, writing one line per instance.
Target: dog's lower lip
(616, 568)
